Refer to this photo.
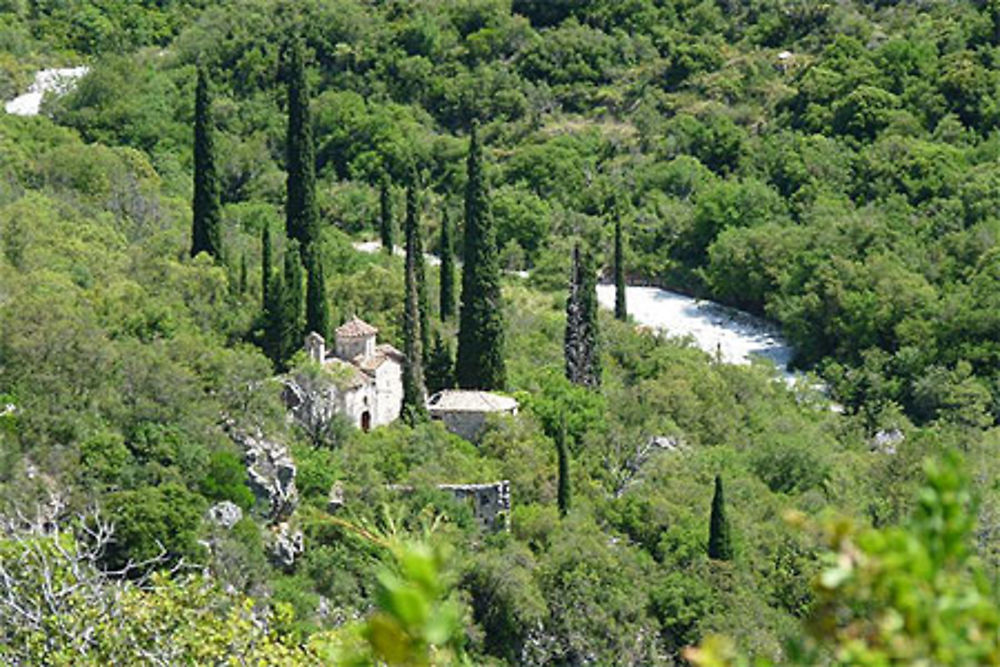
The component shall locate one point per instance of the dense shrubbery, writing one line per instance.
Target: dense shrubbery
(848, 190)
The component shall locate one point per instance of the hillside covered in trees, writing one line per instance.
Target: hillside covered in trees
(174, 224)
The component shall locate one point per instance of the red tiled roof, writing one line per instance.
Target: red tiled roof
(356, 328)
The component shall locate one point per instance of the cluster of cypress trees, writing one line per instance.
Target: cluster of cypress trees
(580, 348)
(284, 325)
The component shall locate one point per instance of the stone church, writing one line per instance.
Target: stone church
(369, 385)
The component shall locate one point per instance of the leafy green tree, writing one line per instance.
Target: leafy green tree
(414, 408)
(720, 545)
(206, 232)
(301, 212)
(564, 489)
(621, 310)
(154, 522)
(480, 363)
(387, 226)
(447, 281)
(441, 367)
(317, 308)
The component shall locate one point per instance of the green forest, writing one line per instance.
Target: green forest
(173, 224)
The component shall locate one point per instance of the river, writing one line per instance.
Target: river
(57, 80)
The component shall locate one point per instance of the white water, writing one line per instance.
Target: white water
(736, 337)
(58, 81)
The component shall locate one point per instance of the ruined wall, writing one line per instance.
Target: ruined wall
(490, 502)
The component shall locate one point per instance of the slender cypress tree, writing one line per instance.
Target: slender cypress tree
(243, 274)
(414, 407)
(206, 229)
(413, 234)
(621, 312)
(480, 363)
(580, 348)
(301, 213)
(564, 491)
(290, 305)
(441, 367)
(387, 227)
(273, 319)
(589, 346)
(265, 263)
(317, 308)
(571, 338)
(720, 545)
(447, 282)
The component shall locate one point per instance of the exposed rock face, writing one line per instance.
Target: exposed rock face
(225, 514)
(285, 546)
(886, 441)
(270, 470)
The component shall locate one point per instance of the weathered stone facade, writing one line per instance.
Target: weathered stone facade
(464, 412)
(366, 379)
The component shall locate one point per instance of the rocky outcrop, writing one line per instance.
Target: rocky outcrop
(225, 514)
(285, 546)
(270, 472)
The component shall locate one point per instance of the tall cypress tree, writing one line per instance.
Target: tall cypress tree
(265, 264)
(480, 363)
(571, 338)
(720, 545)
(580, 345)
(621, 312)
(419, 264)
(317, 308)
(589, 340)
(564, 491)
(290, 305)
(447, 282)
(206, 228)
(414, 407)
(243, 274)
(387, 227)
(301, 212)
(273, 321)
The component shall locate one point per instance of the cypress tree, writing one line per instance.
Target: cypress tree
(571, 338)
(621, 312)
(265, 263)
(301, 213)
(413, 235)
(243, 274)
(720, 546)
(317, 308)
(289, 337)
(414, 407)
(447, 282)
(206, 228)
(589, 345)
(580, 345)
(387, 227)
(440, 367)
(480, 363)
(564, 492)
(273, 319)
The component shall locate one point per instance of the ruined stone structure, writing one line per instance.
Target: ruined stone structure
(490, 502)
(367, 385)
(464, 411)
